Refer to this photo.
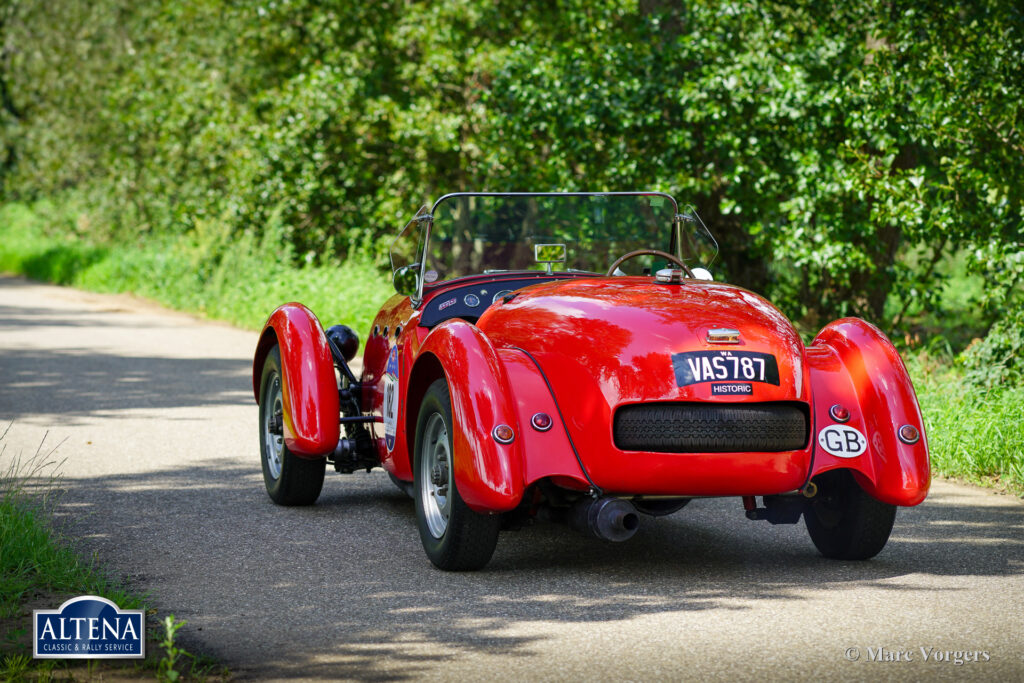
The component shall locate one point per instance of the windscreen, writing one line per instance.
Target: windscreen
(480, 233)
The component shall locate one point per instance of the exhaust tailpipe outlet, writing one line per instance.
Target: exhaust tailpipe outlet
(610, 519)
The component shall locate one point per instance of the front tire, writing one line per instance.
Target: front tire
(290, 480)
(844, 522)
(454, 537)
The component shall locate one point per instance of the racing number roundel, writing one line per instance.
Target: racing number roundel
(842, 441)
(390, 408)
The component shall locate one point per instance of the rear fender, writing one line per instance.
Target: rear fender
(488, 474)
(854, 365)
(548, 453)
(311, 410)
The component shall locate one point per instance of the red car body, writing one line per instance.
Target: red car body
(579, 348)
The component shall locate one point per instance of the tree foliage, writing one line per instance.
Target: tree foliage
(841, 152)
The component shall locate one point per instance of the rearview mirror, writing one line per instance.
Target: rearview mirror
(549, 254)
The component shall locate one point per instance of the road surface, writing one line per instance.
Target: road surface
(155, 417)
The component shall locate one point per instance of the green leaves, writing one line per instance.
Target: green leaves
(841, 154)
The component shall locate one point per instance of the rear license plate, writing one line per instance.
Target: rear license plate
(694, 367)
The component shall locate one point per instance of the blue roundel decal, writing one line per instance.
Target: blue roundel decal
(390, 409)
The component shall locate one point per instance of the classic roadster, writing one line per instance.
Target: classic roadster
(568, 357)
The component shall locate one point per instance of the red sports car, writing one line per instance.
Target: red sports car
(543, 360)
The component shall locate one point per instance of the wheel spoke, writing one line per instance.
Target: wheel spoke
(435, 475)
(272, 427)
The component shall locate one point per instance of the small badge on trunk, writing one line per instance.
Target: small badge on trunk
(732, 389)
(723, 335)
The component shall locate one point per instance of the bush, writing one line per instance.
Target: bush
(840, 152)
(998, 359)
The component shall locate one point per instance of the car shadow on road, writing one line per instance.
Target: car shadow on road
(20, 318)
(342, 589)
(82, 383)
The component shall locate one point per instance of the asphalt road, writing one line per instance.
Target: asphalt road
(155, 417)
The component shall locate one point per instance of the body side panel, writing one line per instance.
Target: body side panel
(547, 453)
(395, 326)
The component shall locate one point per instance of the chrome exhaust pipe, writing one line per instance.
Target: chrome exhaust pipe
(610, 519)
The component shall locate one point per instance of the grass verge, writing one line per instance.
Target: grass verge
(974, 433)
(39, 569)
(31, 559)
(208, 271)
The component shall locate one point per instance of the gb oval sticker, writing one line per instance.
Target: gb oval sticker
(842, 441)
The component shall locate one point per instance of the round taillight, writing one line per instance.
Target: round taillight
(909, 434)
(541, 422)
(839, 413)
(503, 434)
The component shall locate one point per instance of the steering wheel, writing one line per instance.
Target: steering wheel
(649, 252)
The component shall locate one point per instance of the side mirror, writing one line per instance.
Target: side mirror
(406, 279)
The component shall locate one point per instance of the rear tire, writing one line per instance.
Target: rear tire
(290, 480)
(844, 522)
(454, 537)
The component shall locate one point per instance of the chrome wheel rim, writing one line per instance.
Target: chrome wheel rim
(436, 477)
(273, 431)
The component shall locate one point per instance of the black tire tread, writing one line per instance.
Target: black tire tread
(472, 545)
(864, 526)
(304, 481)
(301, 479)
(471, 537)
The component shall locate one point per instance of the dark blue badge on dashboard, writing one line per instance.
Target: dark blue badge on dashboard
(88, 627)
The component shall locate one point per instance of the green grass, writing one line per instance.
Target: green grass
(39, 565)
(32, 557)
(36, 562)
(209, 271)
(973, 433)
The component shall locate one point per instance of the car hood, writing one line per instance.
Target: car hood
(604, 342)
